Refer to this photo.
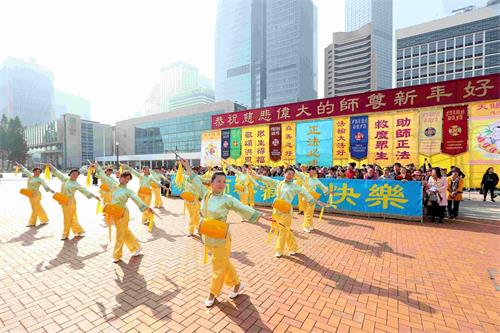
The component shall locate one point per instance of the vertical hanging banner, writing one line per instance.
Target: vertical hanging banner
(260, 154)
(359, 137)
(235, 151)
(406, 138)
(430, 132)
(225, 143)
(314, 142)
(210, 148)
(288, 144)
(485, 133)
(455, 130)
(380, 143)
(275, 142)
(341, 139)
(248, 136)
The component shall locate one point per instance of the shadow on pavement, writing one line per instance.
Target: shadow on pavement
(349, 285)
(241, 256)
(27, 238)
(243, 305)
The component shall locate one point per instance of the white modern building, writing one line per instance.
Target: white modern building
(349, 63)
(466, 44)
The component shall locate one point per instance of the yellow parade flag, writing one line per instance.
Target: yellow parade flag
(89, 177)
(121, 169)
(47, 172)
(99, 209)
(178, 176)
(17, 170)
(330, 199)
(151, 222)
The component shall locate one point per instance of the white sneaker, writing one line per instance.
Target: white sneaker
(209, 302)
(80, 234)
(233, 295)
(306, 230)
(64, 238)
(293, 253)
(116, 261)
(311, 229)
(278, 255)
(137, 252)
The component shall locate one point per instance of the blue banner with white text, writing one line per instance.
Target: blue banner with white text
(370, 197)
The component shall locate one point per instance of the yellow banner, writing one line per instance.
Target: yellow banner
(430, 131)
(380, 139)
(485, 133)
(247, 143)
(210, 148)
(288, 143)
(261, 146)
(340, 140)
(406, 137)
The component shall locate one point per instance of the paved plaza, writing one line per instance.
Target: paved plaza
(353, 275)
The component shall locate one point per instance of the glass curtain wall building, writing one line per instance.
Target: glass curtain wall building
(379, 14)
(454, 47)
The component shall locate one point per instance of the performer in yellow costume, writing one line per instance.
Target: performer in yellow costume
(156, 188)
(119, 215)
(105, 190)
(192, 201)
(69, 186)
(243, 183)
(145, 192)
(286, 190)
(298, 180)
(215, 205)
(34, 183)
(310, 183)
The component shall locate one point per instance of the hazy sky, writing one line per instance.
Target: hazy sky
(110, 51)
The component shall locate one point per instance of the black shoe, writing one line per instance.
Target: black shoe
(484, 199)
(493, 200)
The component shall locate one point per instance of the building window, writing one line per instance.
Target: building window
(414, 82)
(432, 70)
(468, 52)
(416, 62)
(459, 41)
(492, 70)
(468, 74)
(478, 37)
(450, 44)
(450, 67)
(449, 55)
(400, 64)
(440, 69)
(459, 75)
(469, 40)
(407, 63)
(459, 66)
(440, 57)
(459, 53)
(415, 51)
(491, 48)
(414, 74)
(400, 53)
(478, 63)
(432, 79)
(423, 72)
(423, 49)
(407, 75)
(478, 72)
(432, 47)
(423, 60)
(492, 60)
(432, 59)
(400, 76)
(468, 64)
(407, 52)
(449, 77)
(440, 78)
(492, 35)
(478, 50)
(441, 45)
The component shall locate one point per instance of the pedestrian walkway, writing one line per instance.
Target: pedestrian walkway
(353, 275)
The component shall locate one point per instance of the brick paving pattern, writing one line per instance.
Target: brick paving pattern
(353, 275)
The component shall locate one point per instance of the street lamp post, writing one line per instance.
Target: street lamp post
(117, 155)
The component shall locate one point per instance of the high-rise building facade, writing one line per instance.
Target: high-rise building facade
(265, 51)
(67, 103)
(378, 13)
(466, 44)
(26, 91)
(291, 51)
(240, 72)
(349, 63)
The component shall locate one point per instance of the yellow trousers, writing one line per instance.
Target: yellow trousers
(286, 238)
(70, 218)
(106, 197)
(223, 271)
(37, 211)
(147, 216)
(243, 198)
(123, 236)
(194, 215)
(157, 194)
(302, 203)
(308, 215)
(251, 195)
